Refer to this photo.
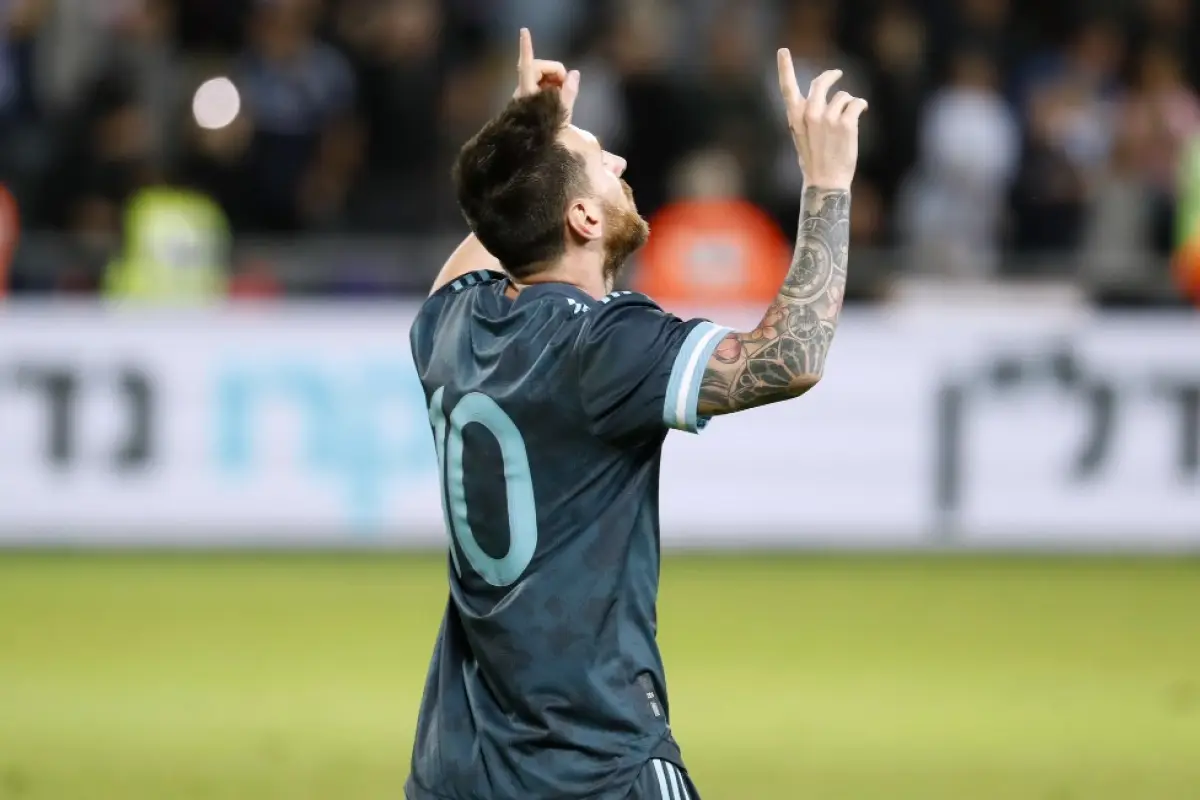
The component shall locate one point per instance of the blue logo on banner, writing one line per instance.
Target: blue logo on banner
(362, 426)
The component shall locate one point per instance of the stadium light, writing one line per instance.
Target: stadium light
(216, 103)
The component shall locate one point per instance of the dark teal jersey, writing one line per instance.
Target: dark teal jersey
(549, 413)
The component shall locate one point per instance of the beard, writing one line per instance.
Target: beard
(626, 233)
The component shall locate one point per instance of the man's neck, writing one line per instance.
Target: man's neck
(588, 280)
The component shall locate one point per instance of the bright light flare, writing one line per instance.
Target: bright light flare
(216, 104)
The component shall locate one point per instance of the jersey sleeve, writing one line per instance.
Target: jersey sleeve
(640, 368)
(421, 334)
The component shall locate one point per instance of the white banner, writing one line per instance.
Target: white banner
(306, 425)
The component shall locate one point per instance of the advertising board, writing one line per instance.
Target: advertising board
(305, 426)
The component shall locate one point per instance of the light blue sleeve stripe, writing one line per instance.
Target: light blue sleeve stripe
(683, 388)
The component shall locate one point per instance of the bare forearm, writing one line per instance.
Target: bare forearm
(470, 256)
(785, 355)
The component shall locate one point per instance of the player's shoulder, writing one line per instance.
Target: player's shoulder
(480, 277)
(617, 311)
(455, 291)
(621, 305)
(436, 308)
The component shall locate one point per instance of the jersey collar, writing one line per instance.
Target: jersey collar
(530, 293)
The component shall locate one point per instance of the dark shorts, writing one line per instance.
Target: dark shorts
(662, 780)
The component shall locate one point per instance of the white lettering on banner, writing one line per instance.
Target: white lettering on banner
(306, 425)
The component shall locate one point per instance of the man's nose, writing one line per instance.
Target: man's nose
(616, 165)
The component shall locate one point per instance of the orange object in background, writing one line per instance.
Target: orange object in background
(712, 252)
(10, 233)
(1185, 265)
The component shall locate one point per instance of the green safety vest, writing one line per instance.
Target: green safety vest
(1187, 211)
(176, 249)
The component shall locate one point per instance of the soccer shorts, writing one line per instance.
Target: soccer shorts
(662, 780)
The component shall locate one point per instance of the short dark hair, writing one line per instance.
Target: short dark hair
(514, 179)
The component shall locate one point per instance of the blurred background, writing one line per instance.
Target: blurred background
(1007, 138)
(963, 567)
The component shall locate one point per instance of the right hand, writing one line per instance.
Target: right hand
(824, 131)
(534, 75)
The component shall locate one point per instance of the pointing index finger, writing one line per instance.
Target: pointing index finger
(527, 72)
(787, 78)
(525, 58)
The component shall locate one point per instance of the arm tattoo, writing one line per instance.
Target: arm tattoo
(785, 355)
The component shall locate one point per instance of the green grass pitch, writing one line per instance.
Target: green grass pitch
(157, 677)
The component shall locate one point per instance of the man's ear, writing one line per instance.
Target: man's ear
(584, 220)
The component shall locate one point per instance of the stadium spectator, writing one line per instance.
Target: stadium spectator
(1069, 101)
(900, 78)
(1120, 222)
(131, 43)
(23, 146)
(709, 244)
(969, 150)
(107, 155)
(299, 92)
(652, 93)
(351, 111)
(740, 116)
(175, 249)
(397, 48)
(1158, 119)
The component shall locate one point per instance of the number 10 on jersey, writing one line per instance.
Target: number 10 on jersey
(518, 485)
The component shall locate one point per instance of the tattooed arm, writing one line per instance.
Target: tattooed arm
(785, 355)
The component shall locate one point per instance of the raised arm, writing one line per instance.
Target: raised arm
(533, 75)
(469, 256)
(785, 355)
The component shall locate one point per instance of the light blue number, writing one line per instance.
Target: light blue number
(518, 485)
(438, 418)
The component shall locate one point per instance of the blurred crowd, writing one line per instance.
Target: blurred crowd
(995, 126)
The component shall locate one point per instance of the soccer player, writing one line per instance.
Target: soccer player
(550, 396)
